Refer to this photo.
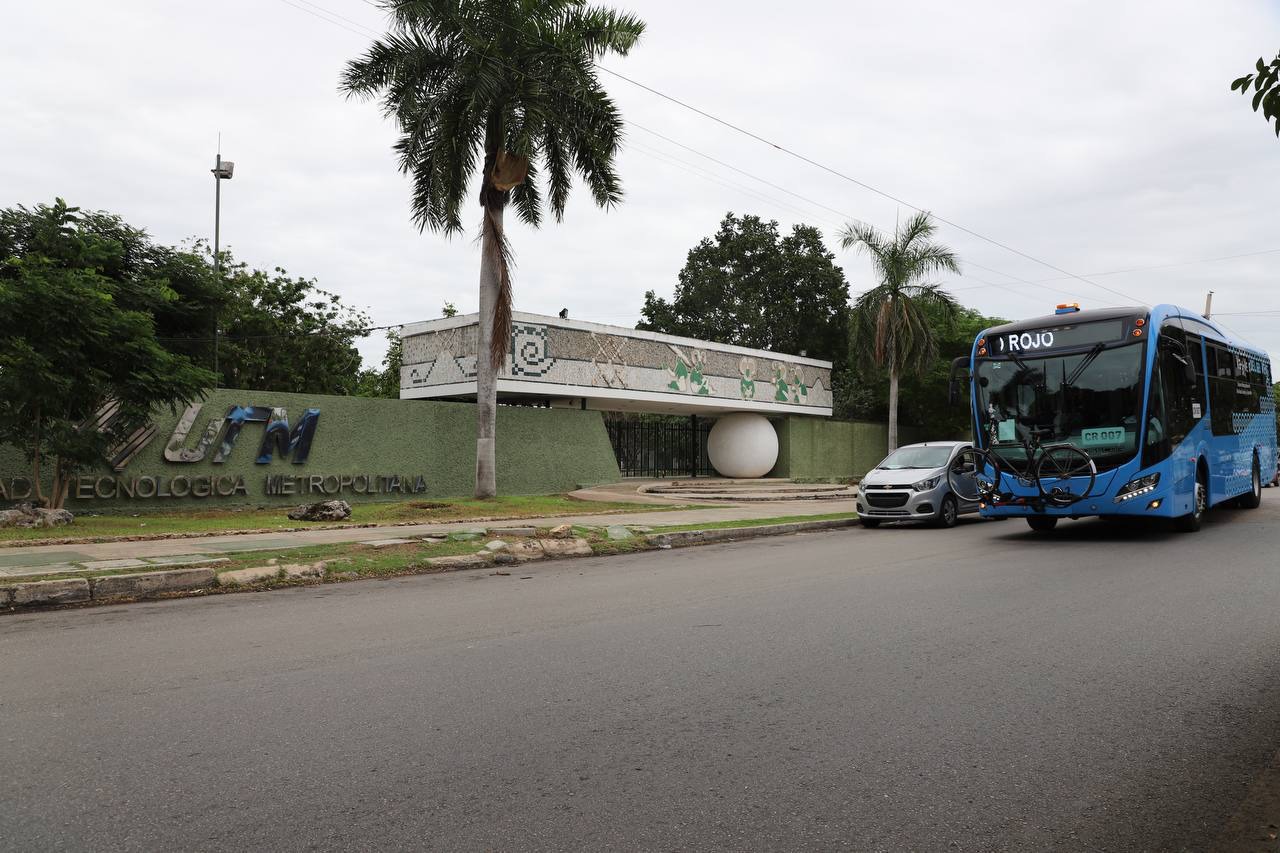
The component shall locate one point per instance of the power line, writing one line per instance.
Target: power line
(825, 168)
(336, 19)
(803, 158)
(577, 97)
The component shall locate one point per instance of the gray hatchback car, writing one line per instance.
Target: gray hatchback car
(911, 485)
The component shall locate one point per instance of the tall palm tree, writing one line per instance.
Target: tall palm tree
(890, 323)
(508, 86)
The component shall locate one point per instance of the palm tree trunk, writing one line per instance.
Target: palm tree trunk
(893, 409)
(486, 370)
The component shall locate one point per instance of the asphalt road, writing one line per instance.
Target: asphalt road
(976, 689)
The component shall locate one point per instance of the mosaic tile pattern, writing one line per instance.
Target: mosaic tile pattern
(566, 356)
(529, 351)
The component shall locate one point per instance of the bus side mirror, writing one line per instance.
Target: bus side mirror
(1180, 353)
(959, 373)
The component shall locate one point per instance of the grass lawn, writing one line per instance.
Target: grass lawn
(93, 527)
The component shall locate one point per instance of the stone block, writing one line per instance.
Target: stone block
(562, 531)
(6, 596)
(51, 592)
(387, 543)
(617, 533)
(150, 583)
(465, 535)
(565, 547)
(304, 570)
(462, 561)
(496, 545)
(530, 549)
(253, 574)
(322, 511)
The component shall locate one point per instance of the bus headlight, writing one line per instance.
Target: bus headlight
(926, 485)
(1139, 486)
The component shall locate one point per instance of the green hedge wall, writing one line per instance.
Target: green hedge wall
(819, 448)
(540, 451)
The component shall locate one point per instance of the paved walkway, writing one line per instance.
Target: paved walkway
(49, 559)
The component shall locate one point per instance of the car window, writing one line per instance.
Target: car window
(931, 456)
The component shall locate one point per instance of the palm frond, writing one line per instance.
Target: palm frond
(462, 78)
(890, 322)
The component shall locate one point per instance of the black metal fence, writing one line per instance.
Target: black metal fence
(661, 446)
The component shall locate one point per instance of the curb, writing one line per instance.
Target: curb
(143, 584)
(118, 589)
(685, 538)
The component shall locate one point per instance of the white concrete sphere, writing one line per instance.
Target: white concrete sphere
(743, 445)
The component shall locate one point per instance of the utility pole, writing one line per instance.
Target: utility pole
(1208, 304)
(222, 171)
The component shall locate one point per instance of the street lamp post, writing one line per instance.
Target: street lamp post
(222, 171)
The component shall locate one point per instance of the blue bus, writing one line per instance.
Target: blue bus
(1152, 412)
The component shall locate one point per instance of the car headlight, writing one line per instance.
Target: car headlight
(1139, 486)
(926, 485)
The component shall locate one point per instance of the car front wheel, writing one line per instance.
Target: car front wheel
(949, 512)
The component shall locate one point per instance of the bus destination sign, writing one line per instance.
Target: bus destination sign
(1058, 337)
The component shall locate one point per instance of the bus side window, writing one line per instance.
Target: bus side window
(1222, 388)
(1178, 387)
(1159, 442)
(1187, 334)
(1251, 386)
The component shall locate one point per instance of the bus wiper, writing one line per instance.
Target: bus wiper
(1084, 364)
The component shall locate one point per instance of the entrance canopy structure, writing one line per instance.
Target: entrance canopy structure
(570, 363)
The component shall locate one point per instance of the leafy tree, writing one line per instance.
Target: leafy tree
(280, 333)
(1266, 89)
(384, 382)
(890, 321)
(78, 318)
(922, 400)
(511, 88)
(749, 285)
(449, 310)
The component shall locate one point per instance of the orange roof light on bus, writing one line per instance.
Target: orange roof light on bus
(1067, 308)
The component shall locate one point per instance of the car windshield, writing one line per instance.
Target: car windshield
(1090, 399)
(916, 456)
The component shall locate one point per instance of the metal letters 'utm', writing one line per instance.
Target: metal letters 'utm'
(294, 443)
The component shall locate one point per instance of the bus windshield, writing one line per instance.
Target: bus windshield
(1090, 399)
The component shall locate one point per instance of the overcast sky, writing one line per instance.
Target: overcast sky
(1096, 136)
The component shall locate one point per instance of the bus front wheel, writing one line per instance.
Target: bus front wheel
(1042, 523)
(1191, 522)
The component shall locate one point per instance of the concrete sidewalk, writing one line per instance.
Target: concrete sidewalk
(48, 559)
